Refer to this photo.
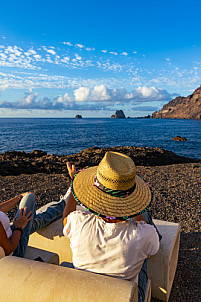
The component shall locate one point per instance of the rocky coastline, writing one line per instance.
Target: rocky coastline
(37, 161)
(175, 180)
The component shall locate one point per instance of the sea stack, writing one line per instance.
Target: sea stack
(118, 114)
(78, 116)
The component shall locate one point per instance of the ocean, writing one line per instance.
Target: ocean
(70, 136)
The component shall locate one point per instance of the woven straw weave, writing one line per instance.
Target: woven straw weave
(117, 172)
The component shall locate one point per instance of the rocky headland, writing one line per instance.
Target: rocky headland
(182, 107)
(175, 180)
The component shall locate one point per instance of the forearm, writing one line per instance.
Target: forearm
(70, 207)
(13, 240)
(9, 204)
(9, 244)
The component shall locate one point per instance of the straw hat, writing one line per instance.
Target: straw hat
(112, 189)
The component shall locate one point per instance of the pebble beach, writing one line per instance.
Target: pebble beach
(177, 191)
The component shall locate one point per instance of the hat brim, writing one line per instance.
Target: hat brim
(104, 205)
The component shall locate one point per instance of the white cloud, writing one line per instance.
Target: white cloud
(29, 98)
(3, 87)
(62, 100)
(102, 93)
(30, 52)
(148, 94)
(9, 59)
(14, 49)
(65, 60)
(101, 97)
(90, 48)
(60, 103)
(104, 68)
(81, 94)
(106, 65)
(78, 57)
(51, 51)
(134, 52)
(29, 102)
(67, 43)
(48, 59)
(3, 57)
(124, 53)
(114, 53)
(79, 45)
(37, 57)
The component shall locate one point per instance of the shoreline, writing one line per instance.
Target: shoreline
(38, 161)
(177, 191)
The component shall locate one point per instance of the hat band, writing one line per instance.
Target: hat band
(111, 192)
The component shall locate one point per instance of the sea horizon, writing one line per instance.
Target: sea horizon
(126, 118)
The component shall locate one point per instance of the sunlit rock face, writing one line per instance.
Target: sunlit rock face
(182, 107)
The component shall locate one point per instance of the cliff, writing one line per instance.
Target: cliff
(182, 107)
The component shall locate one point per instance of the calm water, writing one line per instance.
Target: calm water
(69, 136)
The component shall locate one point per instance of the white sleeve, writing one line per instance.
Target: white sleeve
(67, 230)
(74, 221)
(151, 245)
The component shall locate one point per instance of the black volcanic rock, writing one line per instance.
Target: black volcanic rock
(78, 116)
(16, 163)
(182, 107)
(179, 139)
(118, 114)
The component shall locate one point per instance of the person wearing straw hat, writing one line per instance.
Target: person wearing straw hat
(115, 234)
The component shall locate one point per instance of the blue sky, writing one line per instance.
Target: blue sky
(62, 58)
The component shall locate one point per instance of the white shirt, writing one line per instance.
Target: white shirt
(115, 249)
(6, 223)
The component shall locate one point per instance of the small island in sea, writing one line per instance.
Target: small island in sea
(78, 116)
(118, 114)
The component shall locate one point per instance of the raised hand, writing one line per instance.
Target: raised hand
(23, 219)
(71, 170)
